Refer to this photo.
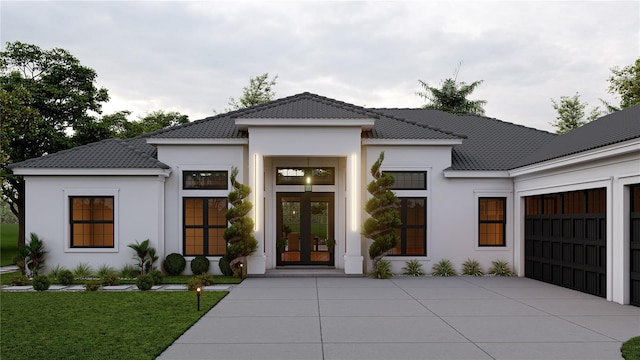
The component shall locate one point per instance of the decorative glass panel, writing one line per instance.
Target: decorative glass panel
(205, 180)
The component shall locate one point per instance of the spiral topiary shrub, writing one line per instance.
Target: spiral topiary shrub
(239, 234)
(384, 215)
(174, 264)
(199, 265)
(144, 282)
(40, 282)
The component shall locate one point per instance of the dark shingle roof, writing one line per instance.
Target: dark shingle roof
(614, 128)
(215, 127)
(490, 144)
(106, 154)
(306, 106)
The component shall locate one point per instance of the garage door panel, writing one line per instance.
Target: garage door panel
(565, 245)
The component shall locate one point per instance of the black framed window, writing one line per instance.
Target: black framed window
(409, 180)
(413, 231)
(298, 175)
(492, 221)
(91, 221)
(203, 226)
(205, 180)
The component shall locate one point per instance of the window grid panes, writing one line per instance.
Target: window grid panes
(204, 225)
(298, 175)
(413, 231)
(205, 180)
(409, 180)
(492, 221)
(91, 222)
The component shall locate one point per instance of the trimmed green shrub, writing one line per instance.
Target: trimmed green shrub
(413, 268)
(471, 267)
(225, 268)
(144, 282)
(382, 270)
(92, 285)
(630, 349)
(174, 264)
(40, 282)
(109, 280)
(501, 268)
(199, 281)
(157, 276)
(65, 277)
(199, 265)
(444, 267)
(20, 280)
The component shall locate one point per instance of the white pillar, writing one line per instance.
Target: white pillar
(353, 259)
(256, 263)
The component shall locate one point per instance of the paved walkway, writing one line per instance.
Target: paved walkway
(407, 318)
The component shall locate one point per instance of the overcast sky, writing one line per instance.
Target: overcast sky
(192, 56)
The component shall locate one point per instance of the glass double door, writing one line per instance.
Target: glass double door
(304, 226)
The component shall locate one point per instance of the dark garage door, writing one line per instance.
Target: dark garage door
(635, 245)
(565, 240)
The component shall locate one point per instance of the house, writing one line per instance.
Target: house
(564, 209)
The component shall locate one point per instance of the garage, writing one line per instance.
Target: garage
(565, 240)
(634, 248)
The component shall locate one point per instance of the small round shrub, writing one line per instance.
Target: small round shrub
(144, 282)
(174, 264)
(109, 280)
(199, 265)
(92, 285)
(225, 267)
(65, 277)
(157, 276)
(19, 280)
(40, 282)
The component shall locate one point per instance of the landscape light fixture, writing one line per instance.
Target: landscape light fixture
(198, 291)
(241, 271)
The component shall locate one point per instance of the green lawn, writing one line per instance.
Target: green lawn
(8, 243)
(96, 325)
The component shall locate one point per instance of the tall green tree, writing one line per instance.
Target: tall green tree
(384, 216)
(47, 92)
(452, 96)
(625, 83)
(259, 91)
(239, 234)
(571, 113)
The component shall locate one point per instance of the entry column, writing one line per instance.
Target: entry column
(353, 259)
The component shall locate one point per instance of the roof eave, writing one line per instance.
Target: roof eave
(469, 174)
(409, 142)
(581, 157)
(197, 141)
(364, 123)
(26, 171)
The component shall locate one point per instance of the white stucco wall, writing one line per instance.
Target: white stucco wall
(614, 173)
(194, 157)
(452, 206)
(137, 218)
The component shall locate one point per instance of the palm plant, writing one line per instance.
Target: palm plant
(145, 255)
(472, 267)
(413, 268)
(33, 254)
(444, 267)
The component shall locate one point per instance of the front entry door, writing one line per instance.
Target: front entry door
(305, 223)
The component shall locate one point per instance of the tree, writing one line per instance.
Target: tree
(452, 96)
(571, 113)
(46, 92)
(259, 91)
(239, 234)
(384, 217)
(625, 82)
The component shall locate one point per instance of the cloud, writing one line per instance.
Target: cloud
(192, 56)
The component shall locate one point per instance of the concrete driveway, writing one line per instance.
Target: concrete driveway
(407, 318)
